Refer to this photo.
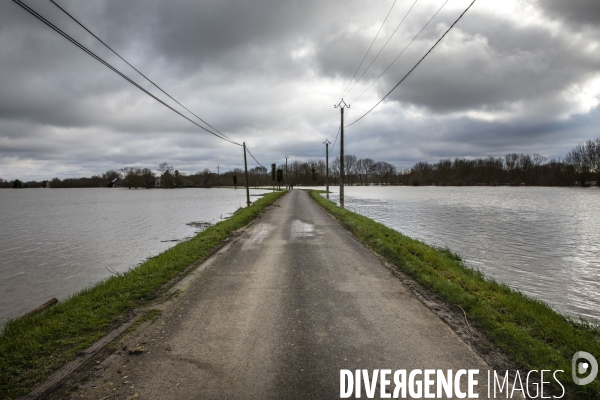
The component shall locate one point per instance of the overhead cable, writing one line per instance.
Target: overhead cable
(328, 130)
(99, 59)
(416, 65)
(386, 43)
(402, 52)
(136, 70)
(249, 152)
(335, 141)
(313, 149)
(330, 122)
(368, 50)
(333, 145)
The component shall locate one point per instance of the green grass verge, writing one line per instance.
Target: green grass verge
(527, 330)
(34, 347)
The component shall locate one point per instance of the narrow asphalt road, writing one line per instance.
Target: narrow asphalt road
(277, 314)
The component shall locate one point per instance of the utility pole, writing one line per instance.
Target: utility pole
(341, 105)
(247, 183)
(218, 174)
(286, 179)
(327, 165)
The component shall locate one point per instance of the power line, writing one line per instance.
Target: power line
(402, 52)
(368, 50)
(416, 65)
(360, 65)
(332, 146)
(330, 122)
(336, 138)
(327, 134)
(386, 43)
(99, 59)
(313, 149)
(136, 70)
(251, 155)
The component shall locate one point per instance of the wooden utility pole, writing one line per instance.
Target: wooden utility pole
(327, 165)
(286, 179)
(341, 105)
(247, 183)
(218, 175)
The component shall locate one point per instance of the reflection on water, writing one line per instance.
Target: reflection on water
(55, 242)
(544, 242)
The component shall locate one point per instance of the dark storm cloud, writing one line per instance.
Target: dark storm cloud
(573, 11)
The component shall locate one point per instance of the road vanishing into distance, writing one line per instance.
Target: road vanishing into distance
(276, 314)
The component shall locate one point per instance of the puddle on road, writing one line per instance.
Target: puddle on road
(302, 229)
(258, 234)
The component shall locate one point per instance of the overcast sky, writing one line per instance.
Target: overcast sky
(512, 76)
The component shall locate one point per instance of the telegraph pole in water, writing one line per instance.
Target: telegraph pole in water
(247, 183)
(327, 165)
(341, 105)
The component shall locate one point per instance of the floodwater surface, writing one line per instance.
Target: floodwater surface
(55, 242)
(544, 242)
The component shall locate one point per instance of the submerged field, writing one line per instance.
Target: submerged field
(543, 241)
(56, 242)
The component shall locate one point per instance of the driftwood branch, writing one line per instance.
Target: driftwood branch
(41, 308)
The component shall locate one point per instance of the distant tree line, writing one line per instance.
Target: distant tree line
(131, 177)
(356, 171)
(581, 166)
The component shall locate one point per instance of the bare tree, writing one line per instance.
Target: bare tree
(491, 168)
(179, 178)
(321, 170)
(364, 166)
(166, 174)
(349, 166)
(206, 178)
(443, 172)
(165, 167)
(511, 161)
(133, 177)
(525, 164)
(55, 183)
(258, 174)
(335, 170)
(383, 171)
(585, 159)
(538, 160)
(421, 173)
(593, 154)
(111, 175)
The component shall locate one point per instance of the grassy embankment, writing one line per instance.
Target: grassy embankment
(32, 348)
(528, 331)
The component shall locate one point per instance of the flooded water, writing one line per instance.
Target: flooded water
(55, 242)
(544, 242)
